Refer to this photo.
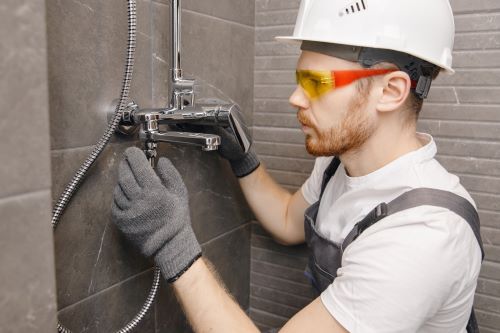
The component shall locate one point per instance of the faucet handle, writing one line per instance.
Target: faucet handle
(233, 116)
(227, 115)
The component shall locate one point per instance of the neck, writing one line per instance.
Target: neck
(380, 149)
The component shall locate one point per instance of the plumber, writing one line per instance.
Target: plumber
(393, 237)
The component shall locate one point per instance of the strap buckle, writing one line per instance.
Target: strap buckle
(373, 217)
(423, 86)
(381, 211)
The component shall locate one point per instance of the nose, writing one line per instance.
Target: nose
(299, 99)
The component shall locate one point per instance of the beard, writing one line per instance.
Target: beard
(354, 129)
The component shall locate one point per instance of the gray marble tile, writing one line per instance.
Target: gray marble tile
(27, 294)
(169, 314)
(216, 202)
(24, 148)
(218, 54)
(230, 256)
(239, 11)
(91, 254)
(112, 309)
(86, 76)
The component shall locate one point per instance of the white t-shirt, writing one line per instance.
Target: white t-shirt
(414, 271)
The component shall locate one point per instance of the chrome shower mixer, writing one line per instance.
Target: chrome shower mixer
(183, 109)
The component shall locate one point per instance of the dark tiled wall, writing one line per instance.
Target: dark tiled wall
(101, 280)
(462, 113)
(27, 279)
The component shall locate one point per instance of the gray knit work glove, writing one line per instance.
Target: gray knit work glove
(153, 213)
(241, 163)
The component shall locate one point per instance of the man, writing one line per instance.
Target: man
(410, 265)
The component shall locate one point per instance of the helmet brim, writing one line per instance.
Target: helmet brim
(298, 40)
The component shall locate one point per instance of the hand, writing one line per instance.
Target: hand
(241, 163)
(152, 211)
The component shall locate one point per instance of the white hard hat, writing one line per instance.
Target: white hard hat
(421, 28)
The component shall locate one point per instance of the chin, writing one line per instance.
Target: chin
(315, 149)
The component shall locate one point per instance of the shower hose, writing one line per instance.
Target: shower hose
(77, 179)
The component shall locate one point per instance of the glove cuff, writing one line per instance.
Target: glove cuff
(245, 166)
(178, 275)
(176, 257)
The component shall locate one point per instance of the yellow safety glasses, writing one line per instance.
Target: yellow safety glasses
(317, 83)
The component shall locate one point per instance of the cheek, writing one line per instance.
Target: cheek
(329, 110)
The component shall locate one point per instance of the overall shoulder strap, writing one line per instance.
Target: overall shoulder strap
(329, 173)
(421, 197)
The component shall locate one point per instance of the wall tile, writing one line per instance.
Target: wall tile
(274, 106)
(230, 256)
(28, 302)
(85, 77)
(237, 11)
(488, 287)
(447, 128)
(272, 18)
(482, 41)
(285, 150)
(268, 5)
(476, 59)
(270, 320)
(290, 287)
(91, 254)
(464, 6)
(27, 289)
(112, 309)
(487, 113)
(469, 78)
(468, 148)
(23, 92)
(482, 21)
(274, 257)
(276, 62)
(268, 34)
(272, 307)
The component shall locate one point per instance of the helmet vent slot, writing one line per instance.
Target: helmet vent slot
(354, 8)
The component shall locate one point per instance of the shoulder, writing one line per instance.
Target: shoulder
(428, 237)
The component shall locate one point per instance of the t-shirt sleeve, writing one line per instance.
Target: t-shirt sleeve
(392, 280)
(312, 187)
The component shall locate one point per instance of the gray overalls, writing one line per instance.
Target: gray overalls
(326, 257)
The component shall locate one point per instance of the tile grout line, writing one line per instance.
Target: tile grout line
(117, 284)
(24, 195)
(216, 238)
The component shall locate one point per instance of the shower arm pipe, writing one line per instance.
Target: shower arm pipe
(180, 87)
(176, 40)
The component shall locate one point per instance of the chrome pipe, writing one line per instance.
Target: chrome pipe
(176, 39)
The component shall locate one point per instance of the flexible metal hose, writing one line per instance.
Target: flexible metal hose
(77, 179)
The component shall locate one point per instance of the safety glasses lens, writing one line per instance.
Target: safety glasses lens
(314, 83)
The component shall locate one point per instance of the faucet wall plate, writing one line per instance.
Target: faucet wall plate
(127, 126)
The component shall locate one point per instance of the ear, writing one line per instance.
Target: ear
(395, 89)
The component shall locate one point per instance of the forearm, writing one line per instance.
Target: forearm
(279, 212)
(208, 307)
